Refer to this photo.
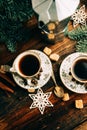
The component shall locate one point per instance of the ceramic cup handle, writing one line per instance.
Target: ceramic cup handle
(12, 69)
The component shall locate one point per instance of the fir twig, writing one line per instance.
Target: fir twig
(11, 45)
(81, 46)
(13, 13)
(78, 34)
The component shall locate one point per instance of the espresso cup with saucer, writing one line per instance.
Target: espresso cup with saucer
(27, 65)
(79, 69)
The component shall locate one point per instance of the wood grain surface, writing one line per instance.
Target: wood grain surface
(15, 113)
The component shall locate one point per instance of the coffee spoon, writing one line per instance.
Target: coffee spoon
(59, 92)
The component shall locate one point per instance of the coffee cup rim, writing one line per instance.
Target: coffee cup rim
(15, 67)
(72, 71)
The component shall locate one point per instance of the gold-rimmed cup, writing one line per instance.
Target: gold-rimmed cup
(27, 64)
(79, 69)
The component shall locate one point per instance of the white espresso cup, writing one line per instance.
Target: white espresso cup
(27, 64)
(79, 69)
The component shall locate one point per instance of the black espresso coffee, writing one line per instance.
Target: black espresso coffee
(80, 69)
(29, 65)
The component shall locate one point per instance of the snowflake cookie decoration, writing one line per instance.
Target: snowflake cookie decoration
(40, 100)
(79, 17)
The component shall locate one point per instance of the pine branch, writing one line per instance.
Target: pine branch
(81, 46)
(78, 34)
(13, 13)
(11, 45)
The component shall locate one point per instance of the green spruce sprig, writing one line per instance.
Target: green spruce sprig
(13, 15)
(80, 35)
(81, 46)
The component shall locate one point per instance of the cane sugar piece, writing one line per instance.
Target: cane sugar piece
(31, 90)
(47, 50)
(54, 57)
(51, 36)
(79, 104)
(66, 97)
(51, 26)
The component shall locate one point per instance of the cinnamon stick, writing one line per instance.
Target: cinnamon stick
(6, 88)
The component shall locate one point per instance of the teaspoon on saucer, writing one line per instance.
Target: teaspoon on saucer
(59, 92)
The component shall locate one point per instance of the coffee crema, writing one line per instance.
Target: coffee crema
(80, 69)
(29, 65)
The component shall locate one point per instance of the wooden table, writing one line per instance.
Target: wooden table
(14, 106)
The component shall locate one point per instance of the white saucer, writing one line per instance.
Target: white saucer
(45, 74)
(67, 78)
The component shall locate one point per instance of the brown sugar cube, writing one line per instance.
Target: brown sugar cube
(79, 104)
(51, 26)
(47, 50)
(51, 36)
(31, 90)
(66, 97)
(59, 92)
(54, 57)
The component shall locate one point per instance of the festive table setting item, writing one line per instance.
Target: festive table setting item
(31, 83)
(45, 74)
(38, 103)
(56, 25)
(79, 17)
(40, 100)
(53, 26)
(79, 34)
(13, 16)
(66, 76)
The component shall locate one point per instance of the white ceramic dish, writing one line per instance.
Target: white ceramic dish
(45, 74)
(67, 78)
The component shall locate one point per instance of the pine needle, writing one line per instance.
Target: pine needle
(78, 34)
(81, 46)
(13, 13)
